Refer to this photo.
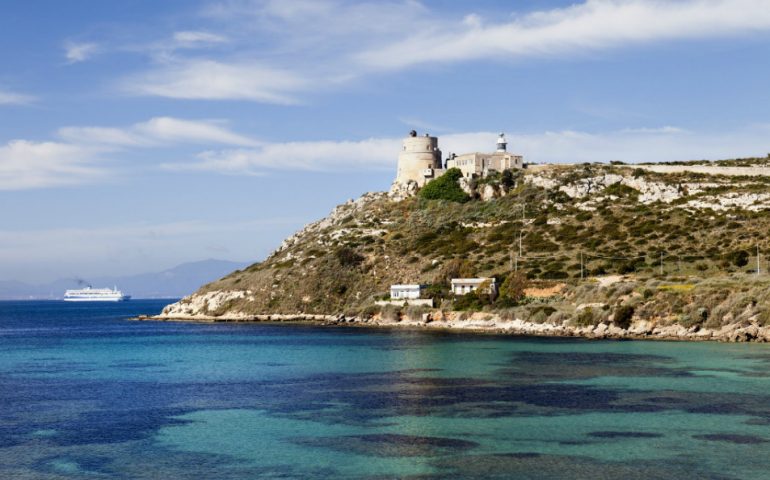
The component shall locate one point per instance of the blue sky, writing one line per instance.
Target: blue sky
(137, 135)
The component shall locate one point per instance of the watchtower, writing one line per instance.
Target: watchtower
(419, 159)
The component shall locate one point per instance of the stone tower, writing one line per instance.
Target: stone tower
(419, 159)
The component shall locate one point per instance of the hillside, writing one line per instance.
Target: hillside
(685, 243)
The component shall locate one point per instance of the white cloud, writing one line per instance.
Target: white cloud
(80, 157)
(630, 145)
(590, 26)
(14, 98)
(155, 132)
(213, 80)
(313, 156)
(79, 52)
(191, 38)
(26, 165)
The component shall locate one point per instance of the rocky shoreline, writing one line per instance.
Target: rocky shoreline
(491, 324)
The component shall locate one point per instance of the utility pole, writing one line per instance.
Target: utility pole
(519, 242)
(516, 265)
(661, 263)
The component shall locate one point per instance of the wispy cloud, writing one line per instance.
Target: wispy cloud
(629, 145)
(79, 52)
(568, 146)
(26, 165)
(14, 98)
(590, 26)
(155, 132)
(190, 38)
(278, 51)
(81, 154)
(312, 156)
(214, 80)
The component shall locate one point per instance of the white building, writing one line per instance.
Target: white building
(481, 164)
(462, 286)
(406, 292)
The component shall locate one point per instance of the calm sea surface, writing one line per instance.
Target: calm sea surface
(84, 393)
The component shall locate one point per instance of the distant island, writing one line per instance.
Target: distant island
(484, 241)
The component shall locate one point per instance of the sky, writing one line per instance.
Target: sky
(138, 135)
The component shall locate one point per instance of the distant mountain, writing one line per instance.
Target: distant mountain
(172, 283)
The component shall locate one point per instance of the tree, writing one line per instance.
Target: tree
(508, 180)
(445, 187)
(455, 268)
(513, 286)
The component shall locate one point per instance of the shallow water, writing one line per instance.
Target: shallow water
(84, 393)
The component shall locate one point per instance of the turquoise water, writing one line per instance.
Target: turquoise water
(85, 393)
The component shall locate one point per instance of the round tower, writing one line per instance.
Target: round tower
(502, 145)
(418, 160)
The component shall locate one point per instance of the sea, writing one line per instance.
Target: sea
(88, 393)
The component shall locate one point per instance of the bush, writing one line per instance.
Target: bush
(622, 191)
(391, 313)
(470, 302)
(585, 317)
(623, 316)
(348, 257)
(508, 180)
(415, 312)
(739, 258)
(445, 187)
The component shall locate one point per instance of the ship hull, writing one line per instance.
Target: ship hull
(123, 298)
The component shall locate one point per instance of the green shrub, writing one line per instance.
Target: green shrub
(348, 257)
(622, 191)
(513, 287)
(584, 216)
(445, 187)
(470, 302)
(508, 180)
(739, 258)
(585, 317)
(623, 316)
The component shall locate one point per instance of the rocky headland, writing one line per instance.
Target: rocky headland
(593, 250)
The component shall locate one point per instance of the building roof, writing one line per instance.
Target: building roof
(472, 280)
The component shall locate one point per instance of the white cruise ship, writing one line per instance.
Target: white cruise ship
(89, 294)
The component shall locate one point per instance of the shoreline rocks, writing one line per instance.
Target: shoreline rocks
(485, 323)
